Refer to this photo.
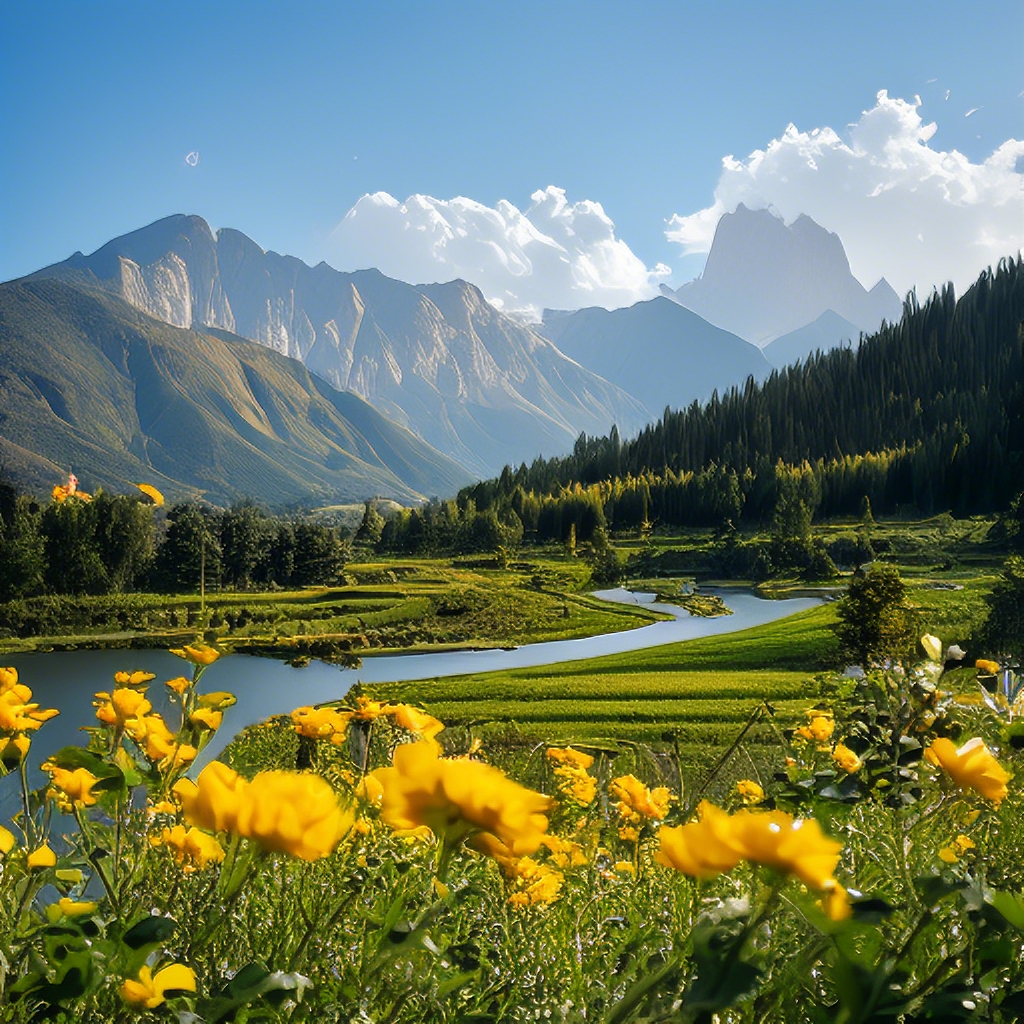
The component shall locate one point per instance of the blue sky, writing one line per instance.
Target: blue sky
(298, 109)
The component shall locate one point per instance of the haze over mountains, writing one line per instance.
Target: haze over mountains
(764, 278)
(477, 385)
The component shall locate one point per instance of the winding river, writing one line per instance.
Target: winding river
(68, 679)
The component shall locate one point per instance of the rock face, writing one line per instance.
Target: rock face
(828, 331)
(438, 359)
(764, 278)
(658, 351)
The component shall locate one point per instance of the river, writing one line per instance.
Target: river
(264, 687)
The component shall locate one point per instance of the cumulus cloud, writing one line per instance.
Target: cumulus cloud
(554, 254)
(917, 215)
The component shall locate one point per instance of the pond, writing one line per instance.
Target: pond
(68, 679)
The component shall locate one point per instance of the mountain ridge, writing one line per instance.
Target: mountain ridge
(474, 383)
(92, 383)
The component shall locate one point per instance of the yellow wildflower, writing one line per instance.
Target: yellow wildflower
(846, 759)
(835, 902)
(988, 668)
(629, 833)
(717, 842)
(749, 791)
(624, 867)
(287, 812)
(458, 798)
(18, 713)
(6, 840)
(366, 710)
(70, 788)
(149, 990)
(118, 708)
(43, 857)
(414, 720)
(69, 908)
(819, 727)
(535, 883)
(192, 849)
(564, 853)
(569, 757)
(219, 700)
(703, 848)
(956, 849)
(8, 678)
(321, 723)
(199, 654)
(207, 718)
(179, 684)
(133, 678)
(971, 766)
(636, 801)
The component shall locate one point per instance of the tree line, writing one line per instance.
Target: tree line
(121, 543)
(925, 414)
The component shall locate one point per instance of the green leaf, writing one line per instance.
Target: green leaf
(1009, 904)
(252, 982)
(150, 931)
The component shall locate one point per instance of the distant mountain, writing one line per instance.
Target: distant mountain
(91, 384)
(439, 359)
(764, 278)
(828, 331)
(658, 351)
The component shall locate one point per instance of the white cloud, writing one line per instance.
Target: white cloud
(904, 210)
(557, 254)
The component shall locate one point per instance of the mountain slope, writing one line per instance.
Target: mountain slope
(657, 350)
(828, 331)
(474, 383)
(91, 383)
(764, 278)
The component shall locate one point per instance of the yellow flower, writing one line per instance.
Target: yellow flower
(718, 842)
(458, 798)
(6, 840)
(179, 684)
(791, 847)
(564, 852)
(198, 653)
(149, 990)
(133, 678)
(749, 791)
(8, 678)
(535, 883)
(207, 718)
(956, 849)
(118, 708)
(636, 801)
(69, 908)
(569, 757)
(43, 857)
(215, 799)
(70, 788)
(629, 833)
(703, 848)
(324, 723)
(367, 710)
(414, 720)
(988, 668)
(152, 493)
(819, 728)
(624, 867)
(193, 849)
(971, 766)
(287, 812)
(18, 713)
(836, 903)
(846, 758)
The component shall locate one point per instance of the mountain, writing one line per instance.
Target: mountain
(764, 278)
(477, 385)
(828, 331)
(658, 351)
(90, 383)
